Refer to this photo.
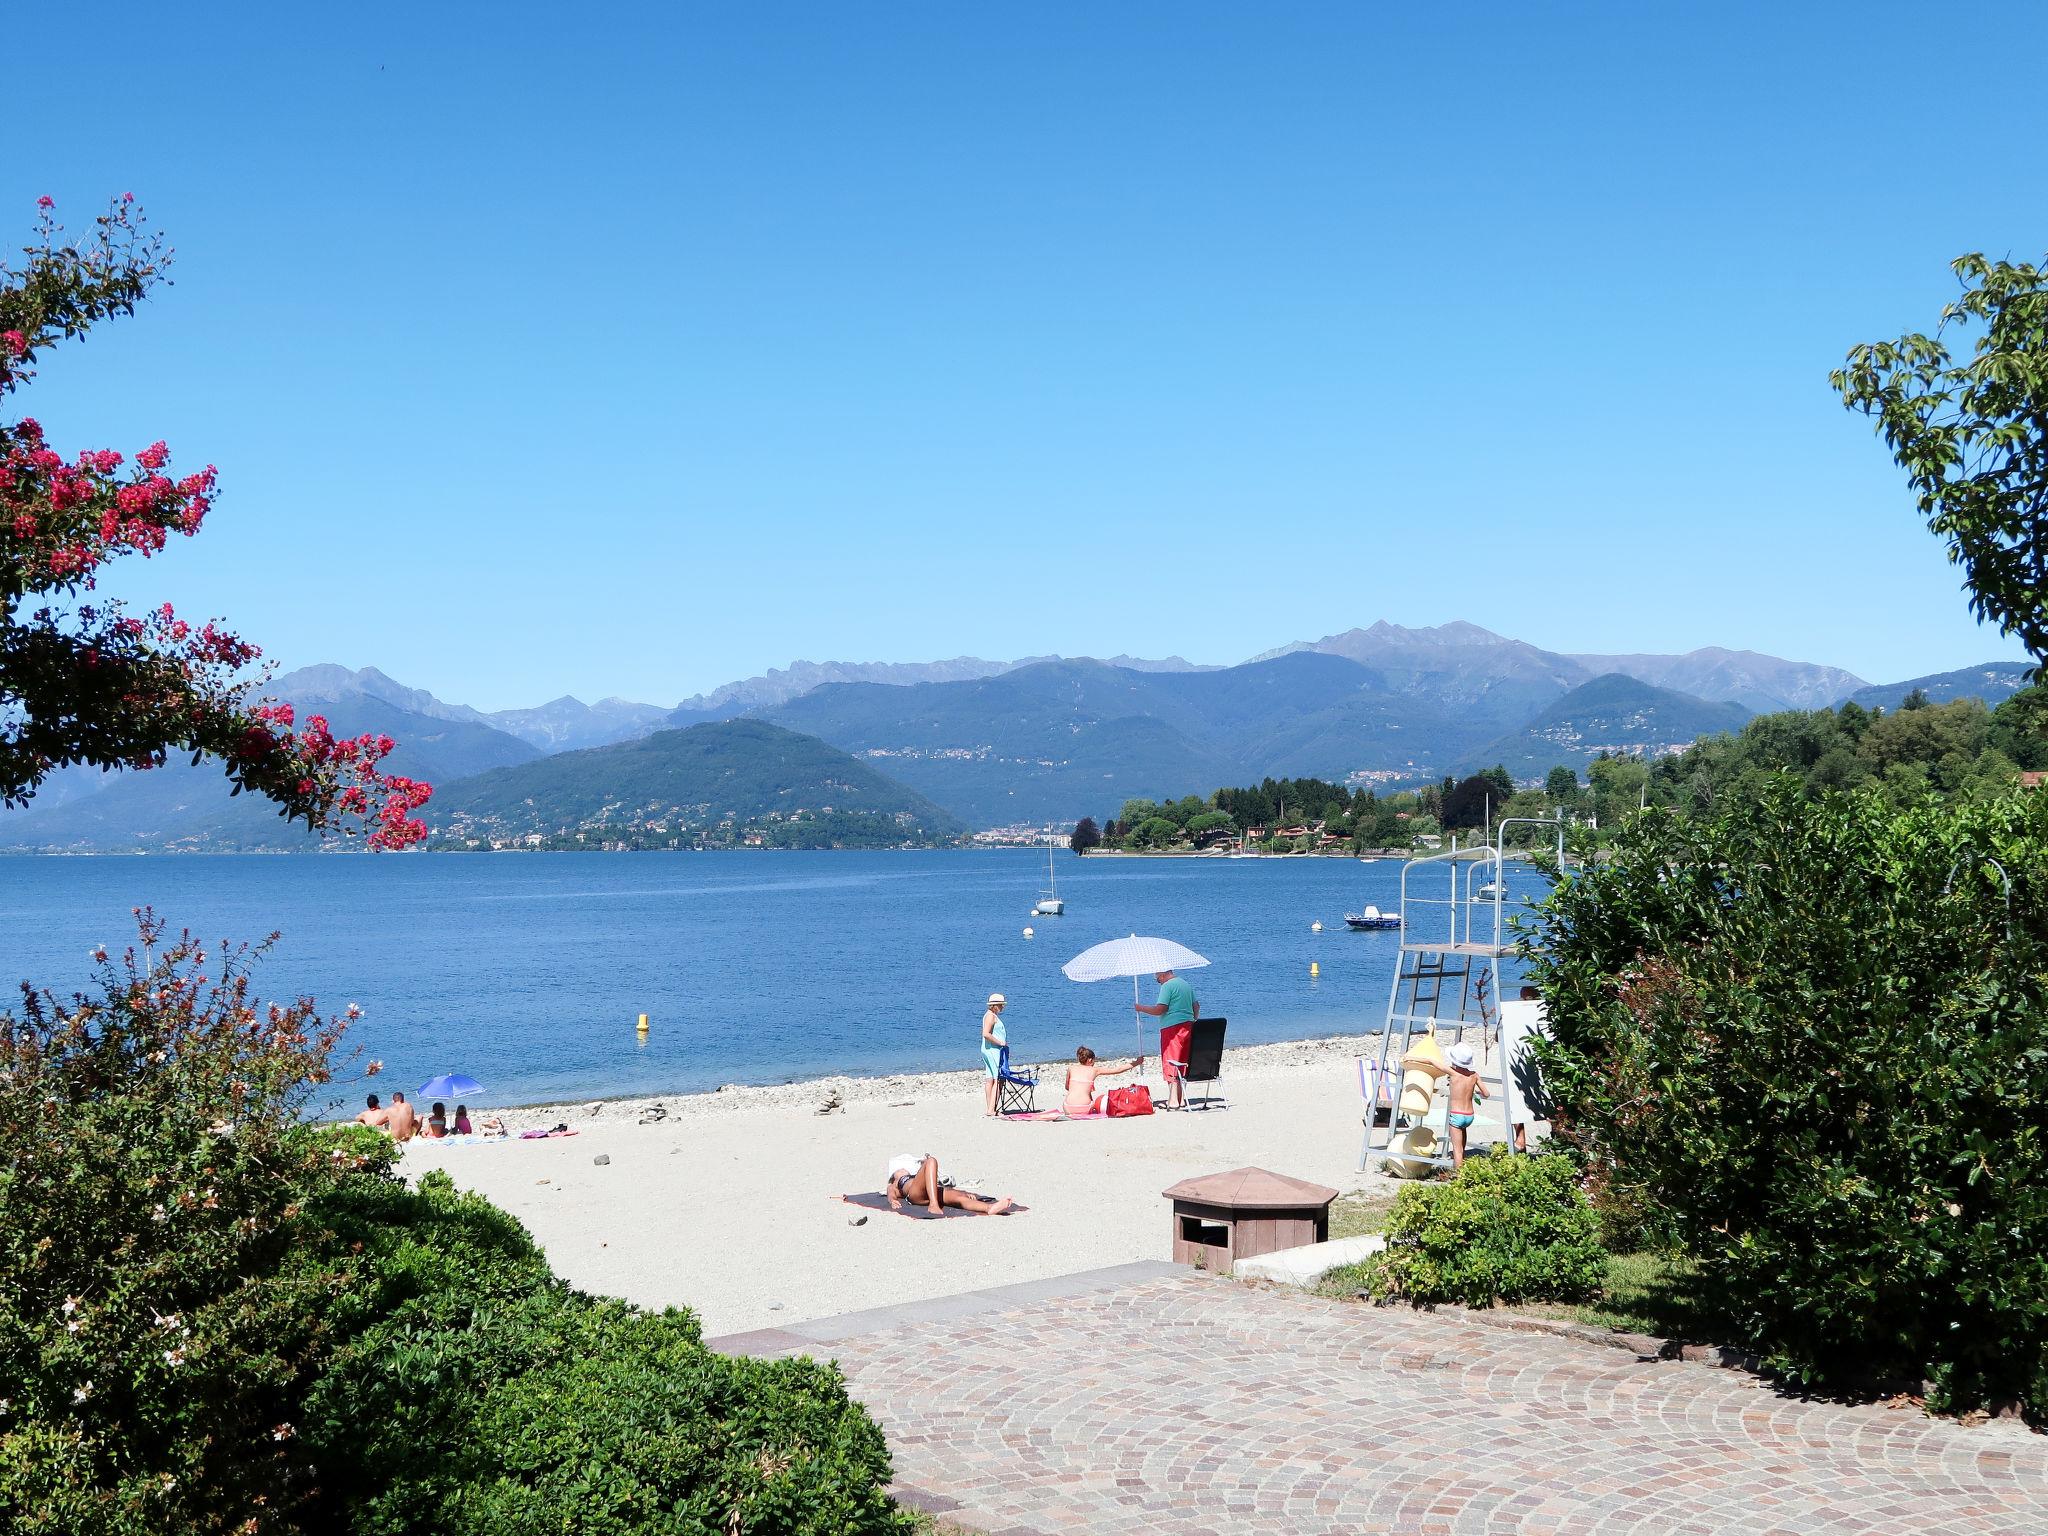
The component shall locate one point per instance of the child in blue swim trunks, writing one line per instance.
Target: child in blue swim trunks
(1466, 1092)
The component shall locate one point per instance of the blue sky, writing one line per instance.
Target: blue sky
(630, 349)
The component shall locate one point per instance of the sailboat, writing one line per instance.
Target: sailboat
(1050, 905)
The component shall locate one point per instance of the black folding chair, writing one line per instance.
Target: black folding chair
(1205, 1057)
(1016, 1089)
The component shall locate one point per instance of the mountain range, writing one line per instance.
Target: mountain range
(1042, 739)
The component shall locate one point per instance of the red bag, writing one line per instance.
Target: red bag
(1128, 1101)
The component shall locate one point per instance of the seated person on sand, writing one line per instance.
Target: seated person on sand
(401, 1120)
(375, 1117)
(915, 1178)
(1082, 1098)
(462, 1126)
(437, 1121)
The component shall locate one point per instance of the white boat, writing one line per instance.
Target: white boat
(1050, 905)
(1245, 850)
(1372, 918)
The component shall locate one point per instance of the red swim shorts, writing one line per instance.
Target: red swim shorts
(1173, 1049)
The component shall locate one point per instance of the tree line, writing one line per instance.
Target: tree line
(1962, 750)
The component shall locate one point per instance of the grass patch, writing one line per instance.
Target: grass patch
(1359, 1213)
(1646, 1293)
(1641, 1293)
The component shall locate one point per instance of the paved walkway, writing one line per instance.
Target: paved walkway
(1201, 1405)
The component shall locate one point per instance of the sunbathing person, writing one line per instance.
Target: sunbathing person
(437, 1122)
(915, 1178)
(1082, 1099)
(402, 1121)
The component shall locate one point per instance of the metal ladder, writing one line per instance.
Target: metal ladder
(1431, 960)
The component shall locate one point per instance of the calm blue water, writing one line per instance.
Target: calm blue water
(528, 971)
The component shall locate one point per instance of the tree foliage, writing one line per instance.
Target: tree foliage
(1809, 1029)
(1086, 835)
(85, 682)
(1972, 436)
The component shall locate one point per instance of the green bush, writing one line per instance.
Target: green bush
(1814, 1030)
(215, 1317)
(474, 1383)
(1505, 1228)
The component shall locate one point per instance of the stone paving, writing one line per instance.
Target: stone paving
(1194, 1405)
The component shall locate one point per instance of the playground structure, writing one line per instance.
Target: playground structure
(1455, 933)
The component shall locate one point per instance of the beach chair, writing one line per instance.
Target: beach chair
(1016, 1088)
(1205, 1058)
(1376, 1086)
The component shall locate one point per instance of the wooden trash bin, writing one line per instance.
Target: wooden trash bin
(1223, 1217)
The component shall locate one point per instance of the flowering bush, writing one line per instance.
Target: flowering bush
(1811, 1031)
(217, 1317)
(91, 683)
(154, 1172)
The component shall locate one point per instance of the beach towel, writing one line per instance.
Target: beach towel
(544, 1135)
(880, 1202)
(1056, 1114)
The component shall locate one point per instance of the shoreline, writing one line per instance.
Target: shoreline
(1253, 1061)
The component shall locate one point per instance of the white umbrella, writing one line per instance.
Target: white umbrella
(1133, 957)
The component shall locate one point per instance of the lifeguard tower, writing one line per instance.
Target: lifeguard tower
(1455, 907)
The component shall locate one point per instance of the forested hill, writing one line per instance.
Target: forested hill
(1608, 716)
(735, 781)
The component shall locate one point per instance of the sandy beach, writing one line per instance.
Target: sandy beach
(727, 1204)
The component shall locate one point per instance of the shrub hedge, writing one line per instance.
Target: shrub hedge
(1505, 1228)
(215, 1317)
(1815, 1033)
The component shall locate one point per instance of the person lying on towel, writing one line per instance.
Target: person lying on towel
(1082, 1099)
(915, 1177)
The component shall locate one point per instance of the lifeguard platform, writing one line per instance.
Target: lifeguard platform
(1455, 932)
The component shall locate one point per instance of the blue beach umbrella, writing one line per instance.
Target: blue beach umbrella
(451, 1085)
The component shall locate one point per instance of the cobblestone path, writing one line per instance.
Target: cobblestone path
(1174, 1403)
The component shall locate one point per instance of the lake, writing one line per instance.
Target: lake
(528, 971)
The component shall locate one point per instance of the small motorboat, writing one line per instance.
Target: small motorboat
(1371, 918)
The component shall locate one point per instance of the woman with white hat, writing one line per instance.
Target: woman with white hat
(993, 1040)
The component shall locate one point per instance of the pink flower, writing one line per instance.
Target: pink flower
(15, 343)
(46, 201)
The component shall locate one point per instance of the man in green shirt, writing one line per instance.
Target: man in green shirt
(1176, 1011)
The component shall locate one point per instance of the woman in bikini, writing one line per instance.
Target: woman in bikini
(1081, 1096)
(915, 1177)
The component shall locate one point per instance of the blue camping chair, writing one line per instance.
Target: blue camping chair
(1016, 1090)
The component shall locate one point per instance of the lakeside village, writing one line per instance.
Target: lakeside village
(1960, 748)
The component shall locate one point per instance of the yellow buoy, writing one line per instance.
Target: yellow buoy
(1314, 969)
(641, 1027)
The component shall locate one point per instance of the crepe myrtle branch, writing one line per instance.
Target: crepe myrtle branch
(85, 682)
